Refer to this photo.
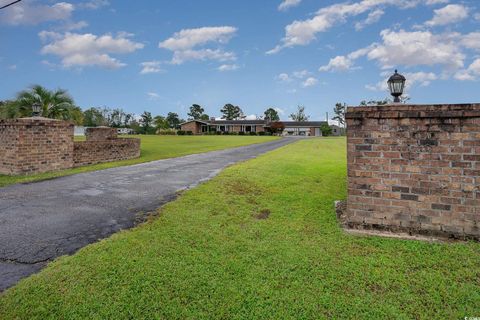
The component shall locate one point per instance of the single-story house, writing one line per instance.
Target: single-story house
(292, 128)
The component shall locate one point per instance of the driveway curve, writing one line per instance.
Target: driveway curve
(44, 220)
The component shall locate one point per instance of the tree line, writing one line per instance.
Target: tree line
(59, 104)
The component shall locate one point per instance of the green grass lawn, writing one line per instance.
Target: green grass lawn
(153, 148)
(259, 241)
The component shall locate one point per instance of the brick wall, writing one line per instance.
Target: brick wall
(92, 152)
(35, 145)
(193, 126)
(414, 168)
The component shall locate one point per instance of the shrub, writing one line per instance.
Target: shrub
(166, 132)
(181, 132)
(189, 133)
(253, 133)
(218, 132)
(261, 133)
(241, 133)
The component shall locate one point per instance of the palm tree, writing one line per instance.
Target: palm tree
(56, 104)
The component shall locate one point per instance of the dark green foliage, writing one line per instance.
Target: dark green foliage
(197, 113)
(339, 112)
(231, 112)
(326, 130)
(173, 120)
(271, 114)
(146, 122)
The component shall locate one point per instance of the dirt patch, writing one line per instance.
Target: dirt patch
(242, 187)
(262, 215)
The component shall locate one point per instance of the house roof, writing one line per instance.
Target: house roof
(199, 121)
(303, 123)
(307, 124)
(240, 122)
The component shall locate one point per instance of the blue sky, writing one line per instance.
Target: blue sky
(162, 56)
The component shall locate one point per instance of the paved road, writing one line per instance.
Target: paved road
(44, 220)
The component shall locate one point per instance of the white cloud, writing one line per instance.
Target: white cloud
(303, 32)
(417, 48)
(250, 117)
(287, 4)
(228, 67)
(309, 82)
(153, 96)
(80, 50)
(150, 67)
(284, 77)
(301, 74)
(27, 13)
(471, 41)
(12, 67)
(180, 57)
(433, 2)
(372, 18)
(71, 26)
(471, 73)
(413, 79)
(451, 13)
(95, 4)
(339, 63)
(184, 42)
(345, 63)
(190, 38)
(280, 111)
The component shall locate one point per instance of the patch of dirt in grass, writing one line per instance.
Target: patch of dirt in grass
(262, 215)
(242, 187)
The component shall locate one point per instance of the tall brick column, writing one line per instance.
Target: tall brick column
(34, 145)
(414, 168)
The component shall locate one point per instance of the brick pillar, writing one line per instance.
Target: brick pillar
(35, 145)
(414, 168)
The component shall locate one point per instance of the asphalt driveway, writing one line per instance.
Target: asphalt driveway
(44, 220)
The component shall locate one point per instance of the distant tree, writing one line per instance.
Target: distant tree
(339, 112)
(117, 118)
(160, 122)
(271, 114)
(365, 103)
(204, 117)
(299, 115)
(196, 112)
(173, 120)
(93, 117)
(231, 112)
(8, 110)
(76, 115)
(136, 127)
(326, 130)
(55, 104)
(146, 121)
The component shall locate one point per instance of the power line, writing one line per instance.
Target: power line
(10, 4)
